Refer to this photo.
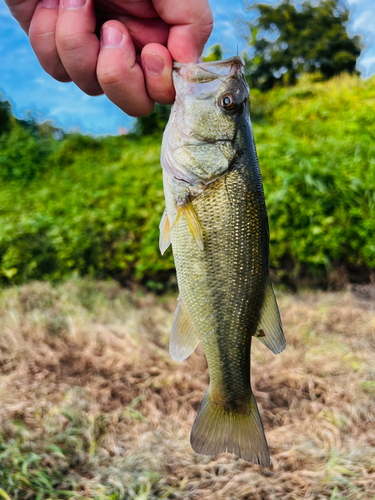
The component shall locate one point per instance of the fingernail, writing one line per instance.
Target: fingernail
(73, 4)
(154, 64)
(111, 37)
(50, 4)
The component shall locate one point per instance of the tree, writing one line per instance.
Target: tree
(287, 41)
(5, 115)
(216, 53)
(154, 123)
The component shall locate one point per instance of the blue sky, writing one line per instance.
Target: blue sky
(24, 83)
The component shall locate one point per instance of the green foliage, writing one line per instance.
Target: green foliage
(5, 116)
(317, 158)
(24, 145)
(95, 206)
(154, 123)
(215, 53)
(288, 41)
(95, 212)
(23, 154)
(22, 470)
(49, 468)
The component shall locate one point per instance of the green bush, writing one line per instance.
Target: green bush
(24, 148)
(317, 155)
(94, 216)
(90, 206)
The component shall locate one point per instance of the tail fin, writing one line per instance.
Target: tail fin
(217, 429)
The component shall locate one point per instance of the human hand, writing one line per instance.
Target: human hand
(132, 61)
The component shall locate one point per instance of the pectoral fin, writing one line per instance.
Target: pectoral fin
(184, 337)
(270, 330)
(165, 233)
(194, 224)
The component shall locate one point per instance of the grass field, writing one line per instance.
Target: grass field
(92, 405)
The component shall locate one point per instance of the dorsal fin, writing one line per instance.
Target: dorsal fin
(184, 337)
(270, 330)
(165, 233)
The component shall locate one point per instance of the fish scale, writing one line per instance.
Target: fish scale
(220, 242)
(229, 278)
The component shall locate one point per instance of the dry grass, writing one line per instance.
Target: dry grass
(92, 405)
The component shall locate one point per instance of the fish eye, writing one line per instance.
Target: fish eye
(228, 102)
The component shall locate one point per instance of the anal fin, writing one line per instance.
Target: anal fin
(165, 233)
(270, 330)
(184, 337)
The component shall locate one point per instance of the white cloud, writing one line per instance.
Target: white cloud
(62, 88)
(367, 62)
(362, 22)
(40, 81)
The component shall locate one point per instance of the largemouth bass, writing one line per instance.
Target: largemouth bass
(216, 220)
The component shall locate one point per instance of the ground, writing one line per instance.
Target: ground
(93, 406)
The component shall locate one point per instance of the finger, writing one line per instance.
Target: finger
(23, 11)
(118, 72)
(157, 67)
(191, 24)
(134, 7)
(142, 31)
(77, 44)
(42, 39)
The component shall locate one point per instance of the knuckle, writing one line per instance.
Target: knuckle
(94, 90)
(69, 41)
(109, 76)
(43, 43)
(206, 22)
(138, 112)
(57, 71)
(161, 95)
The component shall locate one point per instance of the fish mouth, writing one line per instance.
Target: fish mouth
(209, 71)
(216, 64)
(195, 139)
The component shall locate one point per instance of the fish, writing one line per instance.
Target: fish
(216, 222)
